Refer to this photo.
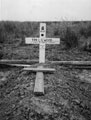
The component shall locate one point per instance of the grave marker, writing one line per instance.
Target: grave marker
(42, 41)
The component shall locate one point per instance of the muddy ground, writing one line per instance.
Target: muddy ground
(67, 91)
(67, 95)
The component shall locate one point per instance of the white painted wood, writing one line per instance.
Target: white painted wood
(40, 69)
(42, 53)
(51, 40)
(43, 27)
(42, 45)
(32, 40)
(42, 41)
(39, 83)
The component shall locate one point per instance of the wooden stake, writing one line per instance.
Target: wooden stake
(39, 84)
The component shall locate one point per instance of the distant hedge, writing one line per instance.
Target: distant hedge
(70, 38)
(69, 32)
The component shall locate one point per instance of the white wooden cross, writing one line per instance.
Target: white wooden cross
(42, 41)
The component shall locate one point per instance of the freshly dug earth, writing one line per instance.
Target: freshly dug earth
(67, 95)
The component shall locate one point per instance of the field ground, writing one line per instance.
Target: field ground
(67, 91)
(53, 52)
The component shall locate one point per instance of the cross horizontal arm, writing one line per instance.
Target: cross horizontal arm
(42, 40)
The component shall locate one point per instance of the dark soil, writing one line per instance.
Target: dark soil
(67, 91)
(67, 95)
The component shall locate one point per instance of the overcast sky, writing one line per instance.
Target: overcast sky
(45, 10)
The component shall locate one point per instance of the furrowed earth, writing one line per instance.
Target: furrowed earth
(67, 91)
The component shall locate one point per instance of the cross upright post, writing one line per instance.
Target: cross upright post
(42, 45)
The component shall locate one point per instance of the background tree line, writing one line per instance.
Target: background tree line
(71, 34)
